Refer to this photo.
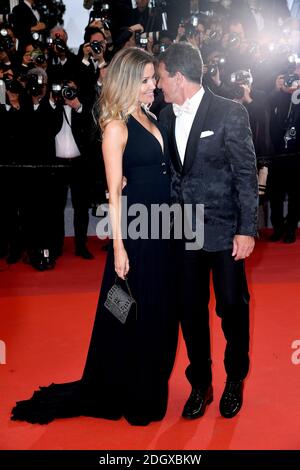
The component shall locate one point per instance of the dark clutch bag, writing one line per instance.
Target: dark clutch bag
(119, 302)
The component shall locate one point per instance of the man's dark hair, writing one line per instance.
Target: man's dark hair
(184, 58)
(89, 31)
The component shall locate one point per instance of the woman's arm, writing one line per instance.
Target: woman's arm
(114, 141)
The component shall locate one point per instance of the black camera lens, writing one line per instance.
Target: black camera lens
(290, 79)
(234, 40)
(35, 84)
(12, 85)
(212, 70)
(69, 92)
(60, 44)
(163, 47)
(38, 57)
(96, 47)
(6, 42)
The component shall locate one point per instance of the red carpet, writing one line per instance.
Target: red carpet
(46, 321)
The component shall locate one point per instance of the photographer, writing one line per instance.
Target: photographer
(255, 101)
(73, 119)
(62, 63)
(91, 58)
(7, 46)
(284, 172)
(26, 19)
(14, 131)
(149, 18)
(40, 179)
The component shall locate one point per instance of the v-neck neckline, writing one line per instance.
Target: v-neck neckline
(149, 132)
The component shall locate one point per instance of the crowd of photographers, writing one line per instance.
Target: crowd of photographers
(50, 138)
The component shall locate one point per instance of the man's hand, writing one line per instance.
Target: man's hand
(39, 27)
(87, 51)
(136, 28)
(96, 24)
(74, 104)
(243, 246)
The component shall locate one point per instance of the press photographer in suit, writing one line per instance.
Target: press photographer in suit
(73, 121)
(212, 163)
(26, 20)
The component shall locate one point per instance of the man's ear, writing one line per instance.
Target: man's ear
(180, 78)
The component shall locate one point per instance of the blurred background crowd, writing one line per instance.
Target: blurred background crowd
(50, 139)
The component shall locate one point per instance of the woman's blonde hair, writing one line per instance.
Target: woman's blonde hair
(122, 84)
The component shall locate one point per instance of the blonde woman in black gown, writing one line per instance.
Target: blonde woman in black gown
(128, 366)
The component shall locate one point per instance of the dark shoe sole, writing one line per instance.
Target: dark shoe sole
(232, 415)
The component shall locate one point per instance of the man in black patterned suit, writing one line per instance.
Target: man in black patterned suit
(212, 163)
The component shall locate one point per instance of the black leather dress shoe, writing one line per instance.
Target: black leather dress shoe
(41, 259)
(197, 403)
(84, 253)
(232, 399)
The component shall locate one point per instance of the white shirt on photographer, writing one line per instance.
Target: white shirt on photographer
(65, 144)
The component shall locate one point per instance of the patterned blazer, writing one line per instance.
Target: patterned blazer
(219, 170)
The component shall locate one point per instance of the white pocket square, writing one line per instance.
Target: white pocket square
(206, 134)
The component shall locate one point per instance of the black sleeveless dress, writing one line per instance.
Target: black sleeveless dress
(128, 366)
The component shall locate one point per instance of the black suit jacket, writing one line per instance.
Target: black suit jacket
(219, 170)
(23, 19)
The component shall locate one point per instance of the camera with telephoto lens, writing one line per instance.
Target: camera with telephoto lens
(12, 85)
(35, 84)
(36, 40)
(59, 43)
(213, 37)
(6, 42)
(163, 47)
(141, 40)
(242, 77)
(291, 80)
(191, 26)
(96, 47)
(63, 91)
(290, 135)
(237, 79)
(215, 65)
(234, 40)
(38, 57)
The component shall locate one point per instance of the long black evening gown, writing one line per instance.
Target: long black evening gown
(128, 366)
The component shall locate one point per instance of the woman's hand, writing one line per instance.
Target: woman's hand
(121, 262)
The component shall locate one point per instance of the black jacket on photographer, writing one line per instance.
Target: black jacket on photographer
(284, 171)
(23, 20)
(259, 117)
(285, 115)
(72, 150)
(89, 66)
(15, 129)
(149, 18)
(59, 70)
